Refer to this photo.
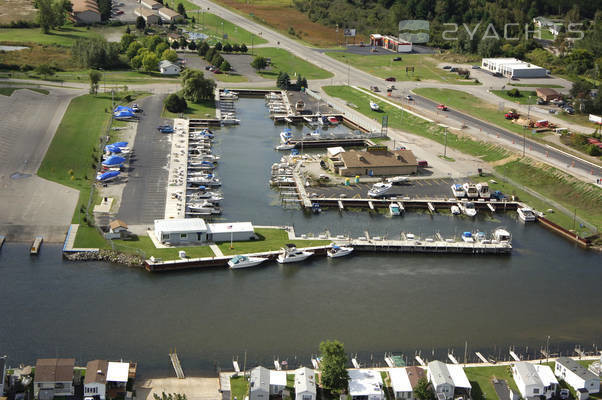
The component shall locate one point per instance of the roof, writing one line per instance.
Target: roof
(166, 64)
(145, 12)
(180, 225)
(168, 12)
(415, 374)
(150, 3)
(54, 369)
(277, 378)
(546, 375)
(514, 63)
(96, 372)
(459, 376)
(333, 151)
(439, 373)
(305, 380)
(118, 372)
(576, 368)
(228, 227)
(547, 92)
(260, 379)
(400, 381)
(85, 5)
(367, 159)
(364, 382)
(528, 373)
(117, 223)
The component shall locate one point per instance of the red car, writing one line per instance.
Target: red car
(217, 71)
(391, 79)
(120, 12)
(442, 107)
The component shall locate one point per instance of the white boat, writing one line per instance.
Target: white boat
(526, 214)
(455, 210)
(483, 189)
(458, 190)
(467, 237)
(398, 179)
(230, 121)
(379, 189)
(204, 157)
(471, 191)
(291, 254)
(317, 133)
(501, 235)
(394, 209)
(205, 180)
(285, 146)
(245, 262)
(469, 209)
(286, 135)
(338, 251)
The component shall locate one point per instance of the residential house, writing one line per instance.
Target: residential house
(365, 385)
(166, 67)
(53, 377)
(277, 382)
(462, 386)
(549, 381)
(150, 15)
(169, 15)
(547, 94)
(583, 381)
(151, 4)
(441, 379)
(305, 384)
(376, 161)
(405, 380)
(529, 381)
(105, 379)
(85, 11)
(259, 384)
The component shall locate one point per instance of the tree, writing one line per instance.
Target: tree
(209, 54)
(140, 23)
(192, 45)
(126, 40)
(45, 16)
(150, 62)
(59, 9)
(44, 70)
(95, 77)
(183, 42)
(175, 103)
(181, 10)
(259, 63)
(301, 82)
(175, 45)
(169, 55)
(96, 52)
(283, 81)
(133, 49)
(243, 48)
(161, 47)
(236, 47)
(218, 46)
(136, 62)
(334, 374)
(423, 390)
(581, 88)
(202, 48)
(217, 59)
(227, 48)
(513, 92)
(225, 66)
(195, 87)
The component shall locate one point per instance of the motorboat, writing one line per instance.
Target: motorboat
(379, 189)
(204, 207)
(245, 262)
(458, 190)
(206, 180)
(338, 251)
(467, 237)
(107, 176)
(286, 135)
(501, 235)
(322, 120)
(481, 237)
(483, 189)
(333, 120)
(300, 105)
(291, 254)
(469, 209)
(396, 180)
(285, 146)
(204, 157)
(394, 209)
(526, 214)
(315, 208)
(374, 106)
(471, 190)
(455, 210)
(317, 133)
(230, 121)
(113, 161)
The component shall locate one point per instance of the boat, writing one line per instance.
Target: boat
(285, 146)
(481, 238)
(204, 207)
(467, 237)
(455, 210)
(113, 161)
(469, 209)
(483, 189)
(333, 120)
(286, 135)
(338, 251)
(202, 164)
(291, 254)
(107, 176)
(501, 235)
(458, 190)
(204, 180)
(230, 121)
(471, 190)
(395, 180)
(374, 106)
(322, 120)
(317, 133)
(379, 189)
(245, 262)
(300, 105)
(204, 157)
(315, 208)
(394, 209)
(526, 214)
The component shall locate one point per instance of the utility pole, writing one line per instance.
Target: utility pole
(547, 348)
(445, 145)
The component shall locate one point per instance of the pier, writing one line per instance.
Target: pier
(425, 204)
(35, 246)
(175, 362)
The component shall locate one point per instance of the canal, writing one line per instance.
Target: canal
(373, 303)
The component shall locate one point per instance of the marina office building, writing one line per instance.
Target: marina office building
(191, 231)
(513, 68)
(374, 162)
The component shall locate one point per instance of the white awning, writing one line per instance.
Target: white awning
(277, 378)
(118, 372)
(459, 376)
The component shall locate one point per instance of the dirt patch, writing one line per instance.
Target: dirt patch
(16, 10)
(504, 161)
(57, 57)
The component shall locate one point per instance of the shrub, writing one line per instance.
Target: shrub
(513, 92)
(175, 103)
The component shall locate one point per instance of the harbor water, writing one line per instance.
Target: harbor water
(373, 303)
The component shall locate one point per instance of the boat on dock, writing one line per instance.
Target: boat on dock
(336, 251)
(291, 254)
(501, 235)
(245, 262)
(458, 190)
(34, 250)
(397, 180)
(468, 209)
(333, 120)
(455, 210)
(300, 105)
(526, 214)
(483, 189)
(394, 209)
(286, 135)
(379, 189)
(467, 237)
(471, 190)
(285, 146)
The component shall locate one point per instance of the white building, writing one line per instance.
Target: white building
(534, 380)
(365, 384)
(53, 377)
(152, 4)
(259, 384)
(190, 231)
(305, 384)
(277, 382)
(166, 67)
(577, 376)
(461, 383)
(150, 16)
(400, 382)
(3, 374)
(513, 68)
(441, 379)
(237, 231)
(103, 375)
(549, 381)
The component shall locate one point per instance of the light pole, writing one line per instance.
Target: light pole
(445, 145)
(525, 130)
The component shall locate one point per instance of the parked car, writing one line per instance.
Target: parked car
(442, 107)
(569, 110)
(498, 195)
(166, 129)
(409, 98)
(207, 67)
(119, 12)
(423, 163)
(453, 69)
(514, 78)
(391, 79)
(541, 101)
(163, 127)
(397, 59)
(447, 67)
(374, 88)
(217, 71)
(136, 108)
(476, 67)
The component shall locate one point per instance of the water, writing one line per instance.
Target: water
(373, 303)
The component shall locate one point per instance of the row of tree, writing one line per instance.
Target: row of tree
(213, 56)
(96, 53)
(284, 82)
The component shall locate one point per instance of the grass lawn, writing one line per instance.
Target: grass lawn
(415, 125)
(383, 66)
(239, 387)
(269, 240)
(539, 85)
(8, 91)
(65, 36)
(36, 54)
(110, 77)
(194, 110)
(522, 99)
(215, 27)
(234, 78)
(480, 379)
(145, 247)
(282, 60)
(579, 119)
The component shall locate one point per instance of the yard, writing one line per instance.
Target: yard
(64, 36)
(269, 240)
(216, 27)
(239, 387)
(383, 66)
(205, 109)
(480, 379)
(282, 60)
(145, 246)
(525, 96)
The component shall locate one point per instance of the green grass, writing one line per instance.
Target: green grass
(239, 387)
(284, 61)
(8, 91)
(418, 126)
(230, 78)
(211, 25)
(89, 237)
(522, 99)
(425, 67)
(480, 379)
(538, 85)
(269, 240)
(145, 246)
(194, 110)
(118, 77)
(65, 36)
(579, 119)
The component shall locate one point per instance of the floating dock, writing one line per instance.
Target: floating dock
(35, 246)
(323, 143)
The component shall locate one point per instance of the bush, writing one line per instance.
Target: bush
(235, 48)
(227, 48)
(175, 103)
(225, 66)
(593, 150)
(218, 46)
(243, 48)
(513, 93)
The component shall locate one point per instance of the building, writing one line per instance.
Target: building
(305, 384)
(3, 375)
(577, 376)
(376, 161)
(277, 382)
(405, 380)
(259, 384)
(151, 4)
(513, 68)
(547, 94)
(169, 15)
(95, 382)
(365, 384)
(461, 383)
(334, 151)
(390, 43)
(150, 16)
(86, 11)
(53, 377)
(529, 380)
(190, 231)
(118, 226)
(166, 67)
(235, 231)
(440, 378)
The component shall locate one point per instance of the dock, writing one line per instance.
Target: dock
(355, 363)
(2, 239)
(452, 358)
(420, 361)
(514, 356)
(175, 362)
(481, 357)
(324, 143)
(35, 246)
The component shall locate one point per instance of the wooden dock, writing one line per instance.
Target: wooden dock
(426, 204)
(514, 356)
(175, 362)
(35, 246)
(323, 143)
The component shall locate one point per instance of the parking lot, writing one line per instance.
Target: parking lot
(123, 10)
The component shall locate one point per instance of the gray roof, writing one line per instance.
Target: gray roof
(305, 380)
(439, 373)
(165, 63)
(528, 373)
(576, 368)
(260, 379)
(2, 365)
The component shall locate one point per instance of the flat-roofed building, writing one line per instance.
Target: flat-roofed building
(513, 68)
(375, 162)
(169, 15)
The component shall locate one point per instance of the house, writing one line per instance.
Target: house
(513, 68)
(462, 386)
(3, 374)
(166, 67)
(187, 231)
(440, 378)
(277, 382)
(334, 151)
(577, 376)
(305, 384)
(150, 15)
(151, 4)
(405, 380)
(528, 378)
(259, 384)
(118, 226)
(391, 43)
(375, 161)
(85, 11)
(547, 94)
(365, 384)
(173, 37)
(53, 377)
(169, 15)
(95, 382)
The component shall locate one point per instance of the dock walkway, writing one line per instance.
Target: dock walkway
(68, 245)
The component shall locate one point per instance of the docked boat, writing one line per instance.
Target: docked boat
(526, 214)
(471, 190)
(204, 207)
(300, 105)
(458, 190)
(467, 237)
(379, 189)
(501, 235)
(291, 254)
(394, 209)
(245, 262)
(338, 251)
(230, 121)
(469, 209)
(455, 210)
(333, 120)
(285, 146)
(204, 180)
(374, 106)
(317, 133)
(204, 157)
(396, 180)
(483, 189)
(286, 135)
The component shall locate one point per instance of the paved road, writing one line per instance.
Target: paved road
(144, 196)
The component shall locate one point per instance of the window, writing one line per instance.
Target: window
(535, 390)
(165, 236)
(306, 397)
(183, 236)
